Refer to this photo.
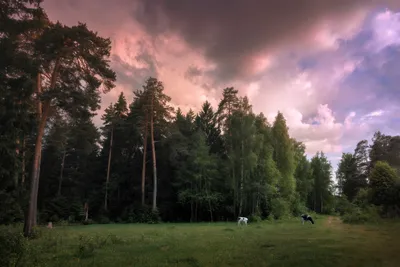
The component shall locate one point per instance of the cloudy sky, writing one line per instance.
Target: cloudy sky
(331, 66)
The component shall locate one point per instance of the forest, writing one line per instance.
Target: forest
(149, 162)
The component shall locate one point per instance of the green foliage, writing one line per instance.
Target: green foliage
(383, 183)
(12, 247)
(298, 206)
(284, 157)
(343, 205)
(280, 208)
(358, 215)
(10, 210)
(363, 198)
(255, 218)
(321, 172)
(140, 214)
(347, 175)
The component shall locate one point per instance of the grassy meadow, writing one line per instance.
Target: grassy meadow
(282, 243)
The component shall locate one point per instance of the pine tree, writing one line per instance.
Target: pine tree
(72, 66)
(156, 112)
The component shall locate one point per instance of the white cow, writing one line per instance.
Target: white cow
(242, 220)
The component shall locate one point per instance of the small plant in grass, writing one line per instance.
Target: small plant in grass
(86, 247)
(37, 232)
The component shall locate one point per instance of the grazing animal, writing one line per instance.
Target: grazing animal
(242, 220)
(306, 217)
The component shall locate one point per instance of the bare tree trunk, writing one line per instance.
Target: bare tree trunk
(23, 160)
(119, 194)
(16, 174)
(30, 218)
(234, 192)
(86, 210)
(108, 169)
(195, 212)
(153, 148)
(191, 211)
(61, 173)
(42, 113)
(144, 160)
(37, 188)
(209, 207)
(241, 181)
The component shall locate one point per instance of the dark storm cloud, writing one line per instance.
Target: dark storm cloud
(131, 76)
(192, 72)
(232, 32)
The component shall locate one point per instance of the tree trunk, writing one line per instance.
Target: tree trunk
(321, 204)
(119, 194)
(234, 192)
(241, 180)
(191, 211)
(42, 114)
(195, 211)
(61, 173)
(23, 161)
(209, 206)
(108, 168)
(16, 174)
(37, 188)
(30, 218)
(144, 160)
(86, 209)
(153, 148)
(315, 200)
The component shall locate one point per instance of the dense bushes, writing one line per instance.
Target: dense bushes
(10, 209)
(16, 250)
(12, 247)
(280, 208)
(140, 214)
(370, 214)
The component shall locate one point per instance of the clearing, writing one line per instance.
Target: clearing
(287, 243)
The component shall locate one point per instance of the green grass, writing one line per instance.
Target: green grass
(327, 243)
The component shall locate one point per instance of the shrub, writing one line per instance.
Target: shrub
(363, 198)
(357, 215)
(344, 206)
(88, 222)
(13, 246)
(104, 220)
(279, 208)
(135, 214)
(10, 210)
(298, 208)
(255, 218)
(86, 247)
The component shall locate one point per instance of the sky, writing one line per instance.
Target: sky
(332, 67)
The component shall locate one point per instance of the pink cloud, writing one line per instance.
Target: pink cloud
(272, 81)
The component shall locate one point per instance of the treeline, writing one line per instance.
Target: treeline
(148, 162)
(368, 180)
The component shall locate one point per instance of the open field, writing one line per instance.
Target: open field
(327, 243)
